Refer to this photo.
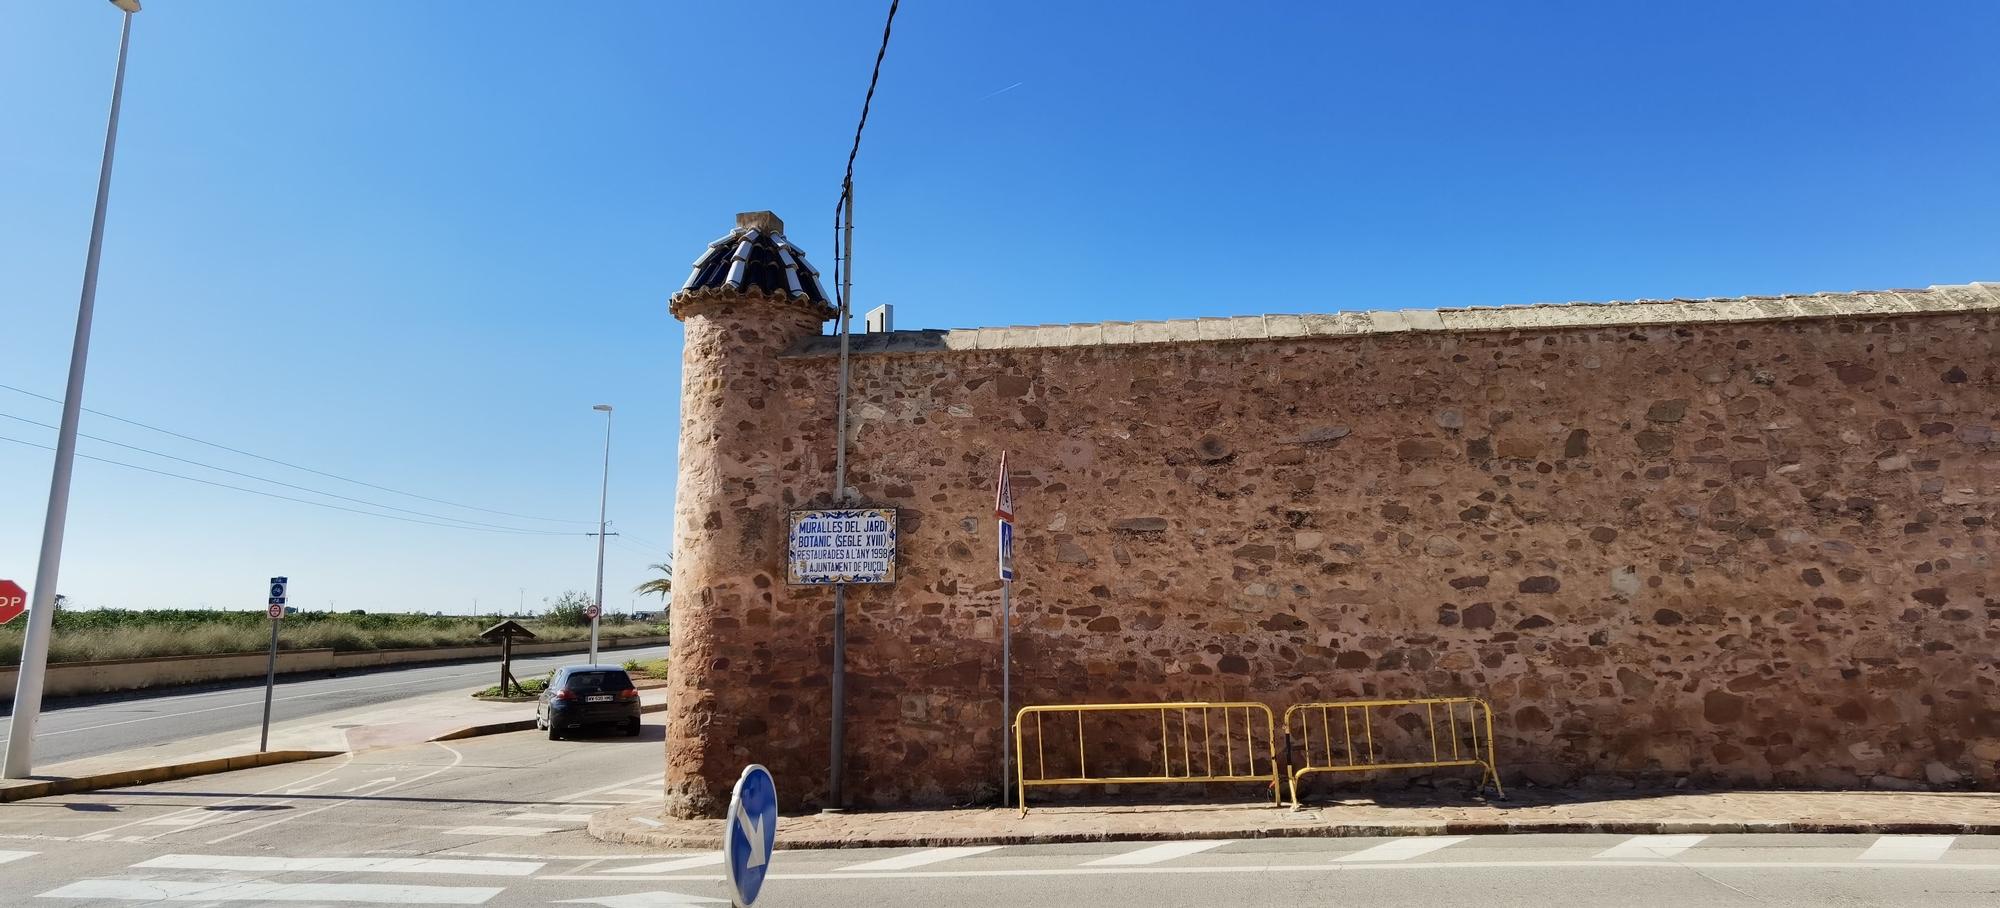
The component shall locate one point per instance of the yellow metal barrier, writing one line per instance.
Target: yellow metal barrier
(1463, 744)
(1226, 732)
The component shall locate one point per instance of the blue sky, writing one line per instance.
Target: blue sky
(413, 243)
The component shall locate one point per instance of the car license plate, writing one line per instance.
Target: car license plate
(597, 698)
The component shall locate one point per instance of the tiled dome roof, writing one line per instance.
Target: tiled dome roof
(756, 259)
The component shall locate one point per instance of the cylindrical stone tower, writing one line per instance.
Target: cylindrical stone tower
(751, 297)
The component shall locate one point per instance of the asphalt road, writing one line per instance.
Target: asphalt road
(497, 821)
(88, 727)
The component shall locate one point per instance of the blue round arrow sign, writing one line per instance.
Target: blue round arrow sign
(753, 828)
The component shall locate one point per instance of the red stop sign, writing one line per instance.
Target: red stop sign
(13, 601)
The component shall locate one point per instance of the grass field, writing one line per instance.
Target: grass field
(97, 634)
(650, 669)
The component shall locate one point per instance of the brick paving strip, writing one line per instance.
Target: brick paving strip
(1625, 813)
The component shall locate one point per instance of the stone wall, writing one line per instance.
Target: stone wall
(1738, 551)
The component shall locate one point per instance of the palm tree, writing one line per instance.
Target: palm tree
(660, 586)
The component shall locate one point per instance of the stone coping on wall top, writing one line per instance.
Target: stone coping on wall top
(1942, 299)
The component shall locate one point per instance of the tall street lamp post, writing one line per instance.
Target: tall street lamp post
(603, 493)
(20, 761)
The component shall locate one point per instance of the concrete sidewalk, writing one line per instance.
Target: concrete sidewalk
(429, 717)
(1392, 814)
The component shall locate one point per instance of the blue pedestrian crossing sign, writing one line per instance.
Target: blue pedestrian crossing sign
(1006, 550)
(753, 828)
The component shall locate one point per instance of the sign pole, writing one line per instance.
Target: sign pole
(276, 609)
(836, 762)
(1003, 511)
(270, 681)
(1006, 682)
(837, 744)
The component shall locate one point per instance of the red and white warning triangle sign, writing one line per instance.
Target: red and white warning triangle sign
(1003, 494)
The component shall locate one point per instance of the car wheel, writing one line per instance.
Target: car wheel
(555, 734)
(632, 728)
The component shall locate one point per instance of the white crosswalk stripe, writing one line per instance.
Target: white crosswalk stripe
(1165, 851)
(1651, 846)
(1401, 849)
(1909, 848)
(264, 864)
(920, 858)
(550, 817)
(261, 891)
(700, 860)
(501, 830)
(7, 856)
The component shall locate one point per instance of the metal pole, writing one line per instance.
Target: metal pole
(20, 761)
(838, 746)
(603, 494)
(1006, 680)
(270, 682)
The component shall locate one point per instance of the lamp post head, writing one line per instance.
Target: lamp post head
(130, 6)
(604, 407)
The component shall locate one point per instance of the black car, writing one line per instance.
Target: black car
(587, 696)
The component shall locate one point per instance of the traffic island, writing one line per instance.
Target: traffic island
(1526, 811)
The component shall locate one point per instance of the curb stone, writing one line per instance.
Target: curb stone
(128, 777)
(620, 825)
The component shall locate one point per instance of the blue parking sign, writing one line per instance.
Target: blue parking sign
(753, 828)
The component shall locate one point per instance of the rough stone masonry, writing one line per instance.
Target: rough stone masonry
(1738, 542)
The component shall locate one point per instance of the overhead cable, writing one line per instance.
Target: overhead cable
(317, 504)
(282, 463)
(275, 482)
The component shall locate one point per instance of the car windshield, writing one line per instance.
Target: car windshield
(595, 682)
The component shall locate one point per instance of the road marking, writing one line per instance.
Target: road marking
(456, 758)
(173, 820)
(511, 855)
(259, 891)
(1908, 848)
(655, 899)
(1401, 849)
(1652, 846)
(262, 864)
(654, 779)
(1587, 866)
(501, 830)
(920, 858)
(1155, 854)
(557, 817)
(700, 860)
(199, 809)
(11, 856)
(636, 792)
(368, 784)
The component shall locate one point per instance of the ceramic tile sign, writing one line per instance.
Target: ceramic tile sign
(850, 545)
